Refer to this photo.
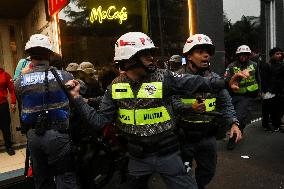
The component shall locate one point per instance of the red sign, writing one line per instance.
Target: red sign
(54, 6)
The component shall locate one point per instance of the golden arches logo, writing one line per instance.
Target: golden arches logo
(97, 14)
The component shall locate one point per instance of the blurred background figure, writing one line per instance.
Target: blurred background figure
(106, 76)
(273, 89)
(175, 63)
(72, 68)
(86, 73)
(244, 97)
(22, 65)
(6, 84)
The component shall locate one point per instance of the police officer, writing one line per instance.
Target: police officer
(45, 110)
(198, 130)
(243, 97)
(136, 101)
(175, 63)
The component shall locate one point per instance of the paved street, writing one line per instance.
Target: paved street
(263, 169)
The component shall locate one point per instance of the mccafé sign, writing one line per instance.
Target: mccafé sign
(54, 6)
(110, 13)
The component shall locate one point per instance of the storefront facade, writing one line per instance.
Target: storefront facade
(88, 30)
(18, 21)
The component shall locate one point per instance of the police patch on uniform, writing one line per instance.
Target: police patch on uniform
(150, 89)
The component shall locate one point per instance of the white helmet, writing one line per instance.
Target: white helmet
(243, 49)
(131, 43)
(38, 40)
(198, 40)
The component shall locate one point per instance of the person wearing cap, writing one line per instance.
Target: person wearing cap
(273, 74)
(86, 71)
(6, 84)
(73, 69)
(175, 63)
(249, 88)
(45, 114)
(196, 119)
(137, 102)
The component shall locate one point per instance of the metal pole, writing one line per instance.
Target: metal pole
(160, 29)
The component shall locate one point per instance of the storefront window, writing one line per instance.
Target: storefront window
(89, 28)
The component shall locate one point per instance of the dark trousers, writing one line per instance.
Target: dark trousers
(241, 105)
(52, 160)
(170, 167)
(276, 105)
(204, 153)
(266, 112)
(5, 123)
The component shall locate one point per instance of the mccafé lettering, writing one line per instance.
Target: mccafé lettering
(111, 14)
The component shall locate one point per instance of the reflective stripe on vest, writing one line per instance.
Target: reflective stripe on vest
(209, 103)
(144, 116)
(198, 122)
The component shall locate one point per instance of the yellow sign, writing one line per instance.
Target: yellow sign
(111, 14)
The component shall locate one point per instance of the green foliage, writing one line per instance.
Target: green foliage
(243, 32)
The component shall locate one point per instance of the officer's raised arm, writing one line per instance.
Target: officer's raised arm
(185, 84)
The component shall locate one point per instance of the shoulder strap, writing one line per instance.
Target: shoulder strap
(45, 96)
(59, 81)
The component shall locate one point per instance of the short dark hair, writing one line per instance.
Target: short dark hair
(39, 53)
(274, 50)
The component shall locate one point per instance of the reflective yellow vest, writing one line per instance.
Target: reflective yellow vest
(210, 104)
(247, 85)
(143, 114)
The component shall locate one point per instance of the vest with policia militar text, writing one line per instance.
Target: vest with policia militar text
(141, 109)
(33, 95)
(247, 85)
(209, 101)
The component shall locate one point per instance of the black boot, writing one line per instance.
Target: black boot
(10, 150)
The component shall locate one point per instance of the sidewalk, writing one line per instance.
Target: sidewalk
(12, 166)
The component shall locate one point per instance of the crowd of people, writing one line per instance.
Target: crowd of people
(168, 117)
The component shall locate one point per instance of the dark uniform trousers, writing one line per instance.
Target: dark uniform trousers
(52, 160)
(241, 105)
(5, 123)
(277, 104)
(204, 153)
(170, 167)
